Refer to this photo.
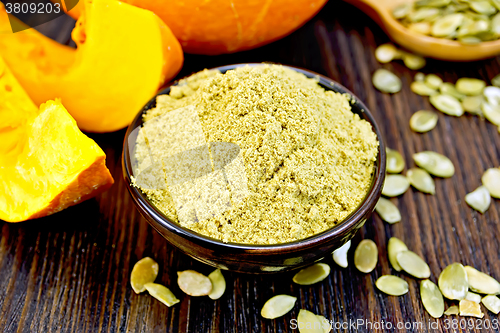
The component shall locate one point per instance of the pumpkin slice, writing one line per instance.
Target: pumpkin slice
(123, 55)
(46, 163)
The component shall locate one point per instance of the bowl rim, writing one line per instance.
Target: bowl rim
(342, 228)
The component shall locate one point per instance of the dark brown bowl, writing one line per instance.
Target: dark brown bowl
(259, 258)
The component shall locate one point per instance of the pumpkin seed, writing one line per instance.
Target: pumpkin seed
(496, 3)
(482, 283)
(449, 89)
(479, 199)
(472, 104)
(423, 28)
(388, 211)
(423, 121)
(431, 3)
(400, 12)
(412, 264)
(495, 24)
(446, 25)
(366, 256)
(386, 81)
(395, 162)
(432, 299)
(308, 322)
(385, 53)
(424, 13)
(340, 254)
(492, 95)
(422, 89)
(312, 274)
(218, 284)
(453, 282)
(419, 77)
(144, 271)
(395, 185)
(434, 163)
(161, 293)
(392, 285)
(496, 80)
(470, 308)
(421, 180)
(395, 246)
(492, 303)
(433, 81)
(470, 87)
(194, 283)
(413, 61)
(491, 180)
(278, 306)
(452, 310)
(447, 104)
(492, 113)
(470, 40)
(483, 7)
(473, 297)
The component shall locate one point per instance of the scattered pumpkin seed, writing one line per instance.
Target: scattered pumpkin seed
(470, 87)
(386, 81)
(386, 53)
(278, 306)
(435, 163)
(432, 299)
(420, 77)
(422, 89)
(496, 80)
(340, 254)
(492, 303)
(395, 162)
(421, 180)
(312, 274)
(161, 293)
(394, 246)
(473, 297)
(449, 89)
(308, 322)
(144, 271)
(452, 310)
(492, 113)
(366, 256)
(479, 199)
(388, 211)
(194, 283)
(447, 104)
(492, 95)
(395, 185)
(482, 283)
(423, 121)
(413, 61)
(453, 282)
(446, 25)
(218, 284)
(470, 308)
(491, 180)
(412, 264)
(392, 285)
(472, 104)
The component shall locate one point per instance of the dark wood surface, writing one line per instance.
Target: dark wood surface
(70, 272)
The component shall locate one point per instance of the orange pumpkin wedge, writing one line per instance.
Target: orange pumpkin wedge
(46, 163)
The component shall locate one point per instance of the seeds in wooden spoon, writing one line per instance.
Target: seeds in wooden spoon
(421, 180)
(340, 254)
(470, 87)
(386, 53)
(194, 283)
(449, 89)
(452, 310)
(308, 322)
(492, 303)
(312, 274)
(447, 104)
(446, 25)
(472, 104)
(473, 297)
(453, 282)
(479, 199)
(491, 180)
(470, 309)
(395, 185)
(278, 306)
(422, 89)
(423, 121)
(412, 264)
(490, 112)
(144, 271)
(386, 81)
(395, 162)
(161, 293)
(434, 163)
(480, 282)
(366, 256)
(432, 299)
(218, 284)
(394, 246)
(392, 285)
(413, 61)
(387, 211)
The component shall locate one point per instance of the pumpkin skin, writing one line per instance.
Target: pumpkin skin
(124, 54)
(46, 163)
(221, 26)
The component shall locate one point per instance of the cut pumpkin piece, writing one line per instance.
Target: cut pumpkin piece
(124, 54)
(46, 163)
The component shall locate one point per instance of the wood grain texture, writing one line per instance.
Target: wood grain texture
(70, 272)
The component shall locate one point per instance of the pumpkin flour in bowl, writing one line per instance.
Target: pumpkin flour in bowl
(257, 155)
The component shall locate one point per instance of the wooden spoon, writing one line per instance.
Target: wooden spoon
(439, 48)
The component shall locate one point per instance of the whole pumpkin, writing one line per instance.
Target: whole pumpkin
(225, 26)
